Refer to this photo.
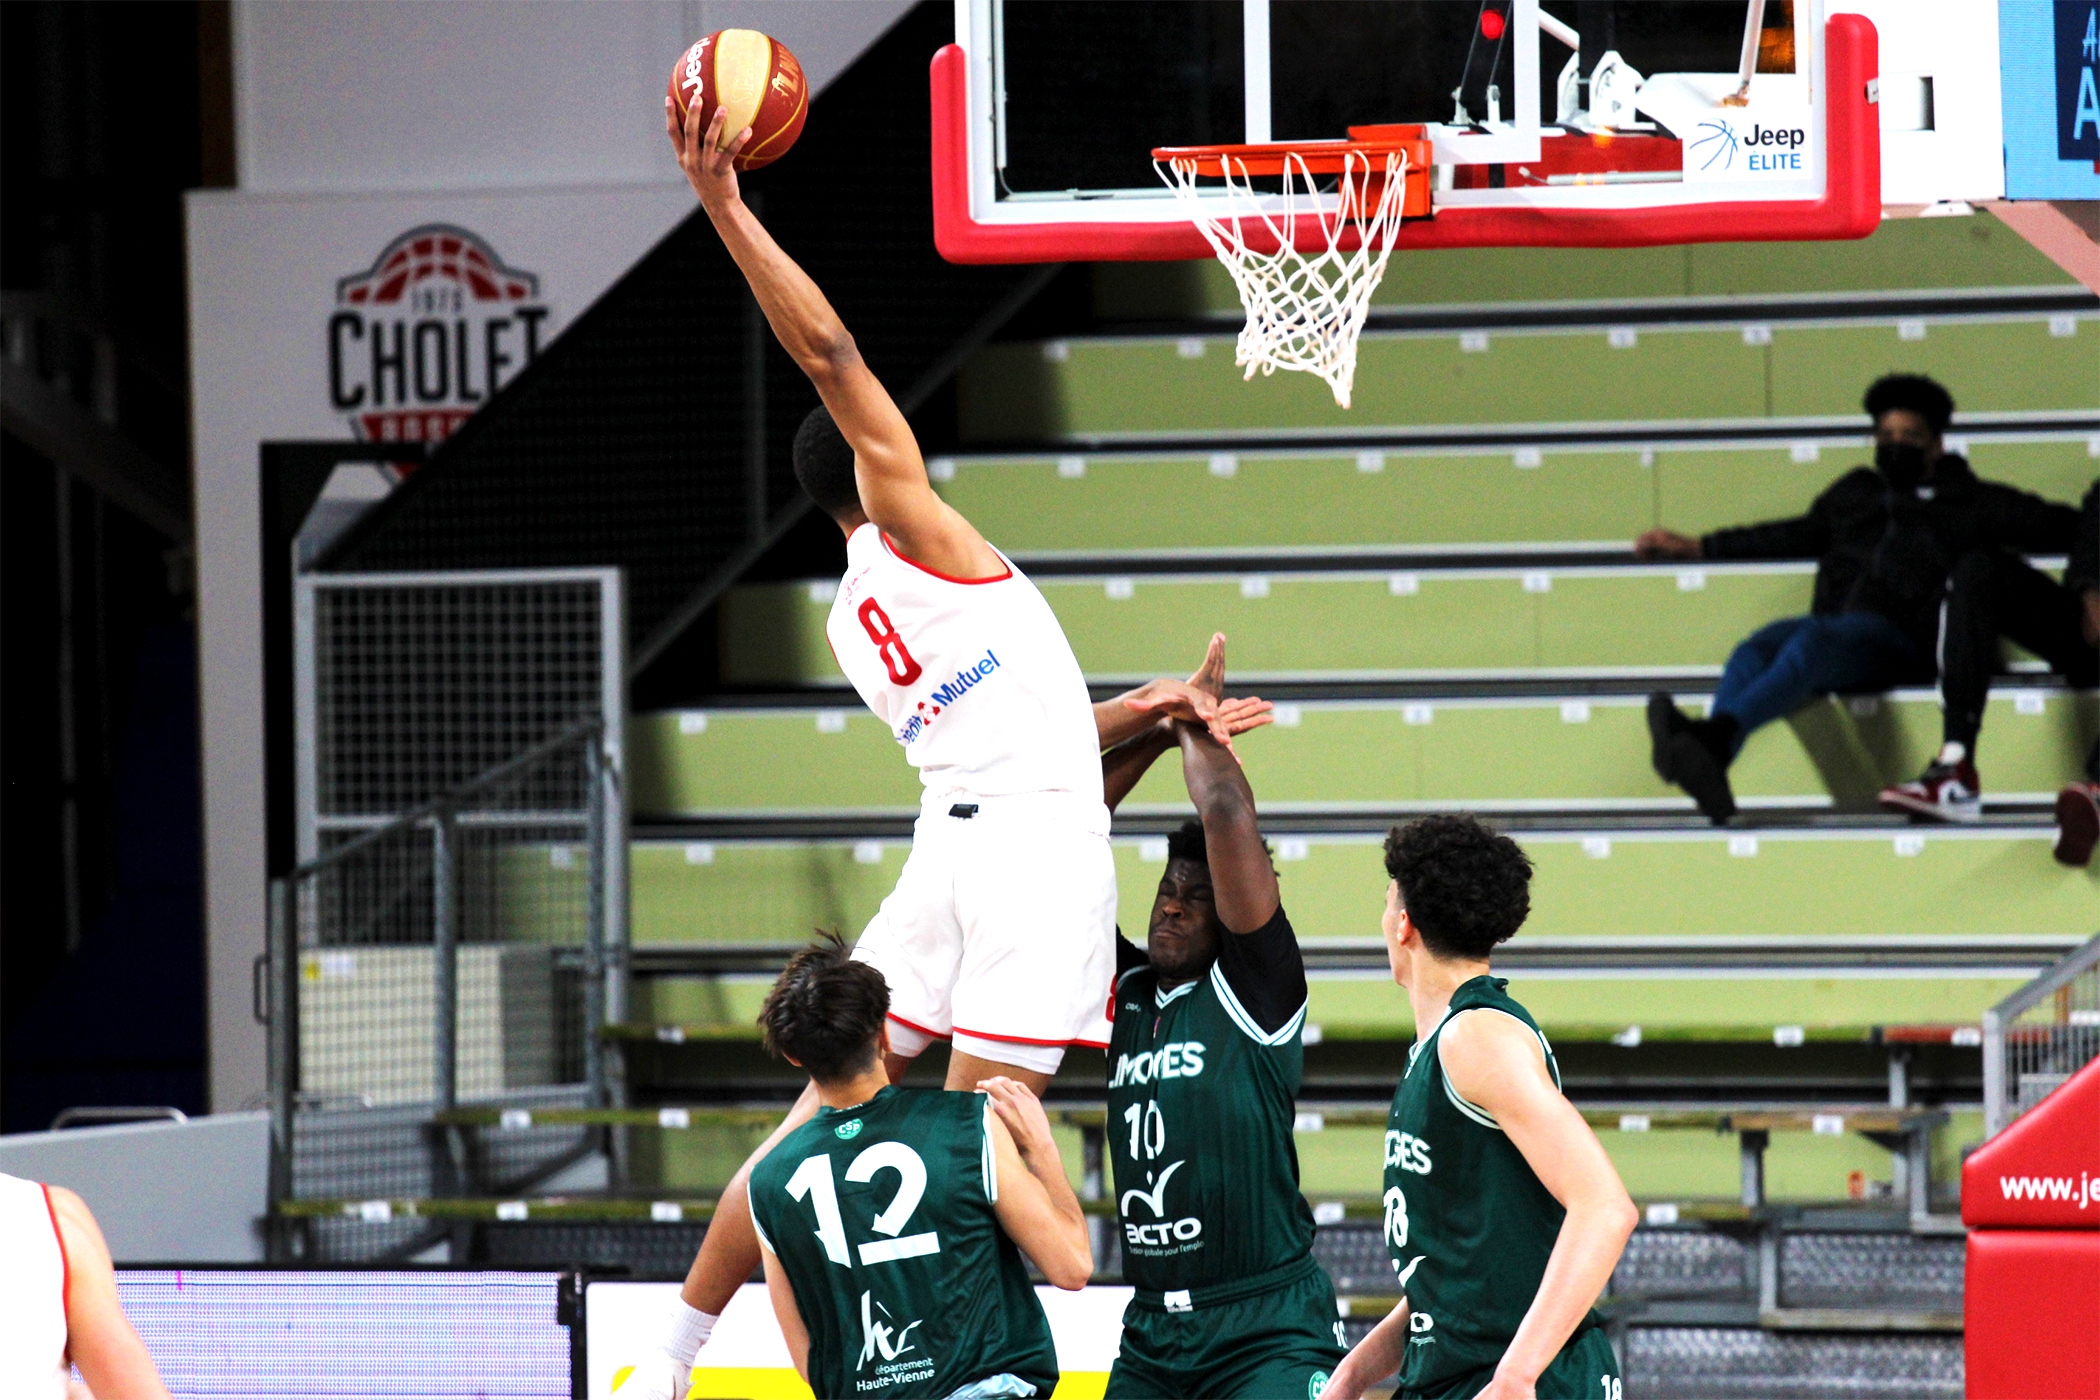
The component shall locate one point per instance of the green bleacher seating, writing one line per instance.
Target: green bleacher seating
(1131, 388)
(1142, 451)
(1484, 624)
(1529, 754)
(1102, 503)
(1596, 1006)
(1908, 255)
(1839, 883)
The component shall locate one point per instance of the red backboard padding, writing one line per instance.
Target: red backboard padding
(1850, 206)
(2043, 1172)
(2032, 1315)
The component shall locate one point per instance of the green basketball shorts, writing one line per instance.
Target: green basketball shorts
(1281, 1344)
(1586, 1369)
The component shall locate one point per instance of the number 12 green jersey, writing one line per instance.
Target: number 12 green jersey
(882, 1216)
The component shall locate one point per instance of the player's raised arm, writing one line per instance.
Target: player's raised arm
(787, 1312)
(99, 1338)
(1135, 727)
(1494, 1061)
(1036, 1206)
(1243, 882)
(888, 469)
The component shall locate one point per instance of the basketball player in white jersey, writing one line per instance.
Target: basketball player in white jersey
(1000, 935)
(58, 1304)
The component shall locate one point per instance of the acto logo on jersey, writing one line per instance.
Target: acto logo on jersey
(1165, 1232)
(1183, 1059)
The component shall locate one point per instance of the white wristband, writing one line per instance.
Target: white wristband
(690, 1329)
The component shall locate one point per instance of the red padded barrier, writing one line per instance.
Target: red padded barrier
(2043, 1172)
(2031, 1292)
(2032, 1315)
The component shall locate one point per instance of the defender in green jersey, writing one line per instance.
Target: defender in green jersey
(1204, 1066)
(889, 1222)
(1503, 1216)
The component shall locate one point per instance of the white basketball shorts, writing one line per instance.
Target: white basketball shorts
(1000, 935)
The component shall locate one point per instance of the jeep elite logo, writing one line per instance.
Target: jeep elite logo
(428, 334)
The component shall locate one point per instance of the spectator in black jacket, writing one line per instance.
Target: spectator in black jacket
(1885, 538)
(1994, 593)
(2078, 805)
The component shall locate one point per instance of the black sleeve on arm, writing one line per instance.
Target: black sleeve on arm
(2026, 522)
(1803, 537)
(1265, 971)
(2082, 571)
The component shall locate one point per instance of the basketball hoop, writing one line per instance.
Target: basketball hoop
(1307, 298)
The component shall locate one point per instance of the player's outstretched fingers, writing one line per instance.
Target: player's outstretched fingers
(1243, 713)
(1210, 676)
(1020, 1110)
(735, 148)
(1173, 700)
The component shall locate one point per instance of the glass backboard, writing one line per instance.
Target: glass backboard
(1553, 122)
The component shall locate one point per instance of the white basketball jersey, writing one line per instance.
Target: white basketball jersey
(33, 1361)
(975, 679)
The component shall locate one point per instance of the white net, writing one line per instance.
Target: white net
(1305, 310)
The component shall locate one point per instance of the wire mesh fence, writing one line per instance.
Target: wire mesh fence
(411, 684)
(2040, 1036)
(459, 952)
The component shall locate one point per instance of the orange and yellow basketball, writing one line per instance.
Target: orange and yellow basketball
(756, 80)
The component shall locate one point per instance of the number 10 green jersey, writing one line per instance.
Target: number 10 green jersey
(1201, 1103)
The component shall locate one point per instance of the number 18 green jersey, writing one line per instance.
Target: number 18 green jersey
(1468, 1223)
(882, 1216)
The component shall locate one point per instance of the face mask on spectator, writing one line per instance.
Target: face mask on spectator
(1902, 464)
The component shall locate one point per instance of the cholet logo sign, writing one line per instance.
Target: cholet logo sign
(428, 333)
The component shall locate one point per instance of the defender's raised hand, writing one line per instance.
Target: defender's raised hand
(1210, 676)
(1240, 714)
(1165, 699)
(1244, 713)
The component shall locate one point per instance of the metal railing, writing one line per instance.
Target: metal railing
(461, 951)
(2040, 1036)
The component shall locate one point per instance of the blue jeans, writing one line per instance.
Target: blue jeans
(1783, 665)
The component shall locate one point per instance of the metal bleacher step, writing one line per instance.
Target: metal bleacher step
(1859, 882)
(1512, 622)
(1640, 1117)
(1615, 1121)
(1742, 1002)
(1482, 623)
(1908, 266)
(1558, 754)
(1166, 507)
(1127, 389)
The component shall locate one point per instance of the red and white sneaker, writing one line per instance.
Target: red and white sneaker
(2077, 822)
(1944, 792)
